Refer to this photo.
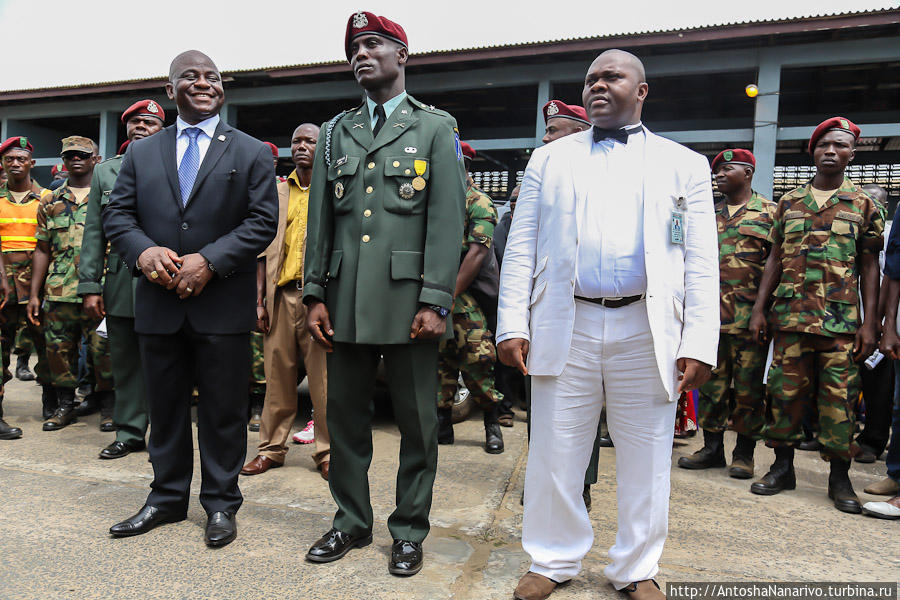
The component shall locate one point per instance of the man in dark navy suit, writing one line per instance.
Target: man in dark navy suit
(192, 208)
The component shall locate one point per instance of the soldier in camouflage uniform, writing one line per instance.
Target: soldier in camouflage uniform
(471, 350)
(61, 218)
(826, 239)
(257, 379)
(744, 221)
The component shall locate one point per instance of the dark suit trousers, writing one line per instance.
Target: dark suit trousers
(220, 366)
(878, 394)
(412, 380)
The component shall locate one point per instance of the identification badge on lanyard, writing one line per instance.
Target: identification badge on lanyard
(677, 229)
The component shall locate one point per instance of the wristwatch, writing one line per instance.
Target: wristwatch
(443, 312)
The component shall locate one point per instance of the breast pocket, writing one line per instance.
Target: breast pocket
(341, 181)
(794, 229)
(753, 242)
(406, 178)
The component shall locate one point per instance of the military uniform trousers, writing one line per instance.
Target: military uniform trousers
(257, 365)
(130, 411)
(610, 360)
(16, 329)
(470, 351)
(809, 368)
(289, 350)
(742, 359)
(64, 325)
(412, 381)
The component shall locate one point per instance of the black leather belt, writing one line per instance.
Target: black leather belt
(612, 302)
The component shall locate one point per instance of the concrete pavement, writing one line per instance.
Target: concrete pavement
(57, 500)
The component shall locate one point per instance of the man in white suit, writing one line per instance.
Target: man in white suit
(609, 290)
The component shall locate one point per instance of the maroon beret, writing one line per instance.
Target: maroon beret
(144, 107)
(555, 108)
(60, 168)
(467, 150)
(20, 142)
(364, 22)
(737, 156)
(273, 148)
(832, 124)
(123, 147)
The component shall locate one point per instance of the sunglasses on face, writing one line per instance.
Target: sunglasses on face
(76, 155)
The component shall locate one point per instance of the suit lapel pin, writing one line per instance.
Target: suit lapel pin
(221, 138)
(404, 112)
(410, 150)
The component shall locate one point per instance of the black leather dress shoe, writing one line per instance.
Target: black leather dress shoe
(406, 558)
(221, 529)
(604, 441)
(8, 432)
(145, 520)
(119, 449)
(335, 544)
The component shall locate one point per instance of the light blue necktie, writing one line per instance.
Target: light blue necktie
(190, 164)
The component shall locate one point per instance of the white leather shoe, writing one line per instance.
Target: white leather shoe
(881, 510)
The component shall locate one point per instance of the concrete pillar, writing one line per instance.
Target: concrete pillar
(109, 129)
(543, 97)
(765, 122)
(4, 129)
(229, 114)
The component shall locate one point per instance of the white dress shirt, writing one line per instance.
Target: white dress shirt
(207, 129)
(610, 257)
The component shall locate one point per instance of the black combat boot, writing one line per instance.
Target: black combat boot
(742, 458)
(107, 403)
(65, 412)
(89, 405)
(780, 476)
(7, 431)
(49, 403)
(23, 373)
(256, 407)
(712, 454)
(493, 438)
(840, 489)
(445, 425)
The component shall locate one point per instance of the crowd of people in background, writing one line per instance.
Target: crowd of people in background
(807, 308)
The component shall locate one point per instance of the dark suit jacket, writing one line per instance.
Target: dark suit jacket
(230, 217)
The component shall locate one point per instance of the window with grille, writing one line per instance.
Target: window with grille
(497, 184)
(885, 175)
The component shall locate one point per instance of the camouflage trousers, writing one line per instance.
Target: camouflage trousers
(257, 365)
(742, 360)
(808, 368)
(64, 325)
(470, 351)
(15, 328)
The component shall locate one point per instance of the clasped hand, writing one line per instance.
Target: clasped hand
(187, 274)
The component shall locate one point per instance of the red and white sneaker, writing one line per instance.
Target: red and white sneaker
(307, 435)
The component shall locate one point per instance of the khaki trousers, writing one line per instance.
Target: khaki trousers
(288, 348)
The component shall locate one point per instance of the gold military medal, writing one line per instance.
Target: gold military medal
(419, 182)
(339, 190)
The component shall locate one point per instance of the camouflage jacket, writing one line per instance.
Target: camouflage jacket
(744, 243)
(61, 224)
(819, 287)
(481, 218)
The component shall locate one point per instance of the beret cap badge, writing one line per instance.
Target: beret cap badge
(360, 20)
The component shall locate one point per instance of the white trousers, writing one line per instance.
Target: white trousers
(611, 360)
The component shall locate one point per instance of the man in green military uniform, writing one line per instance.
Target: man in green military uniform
(55, 278)
(386, 208)
(471, 349)
(112, 298)
(744, 221)
(826, 238)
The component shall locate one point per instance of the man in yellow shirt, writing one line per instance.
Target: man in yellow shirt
(281, 316)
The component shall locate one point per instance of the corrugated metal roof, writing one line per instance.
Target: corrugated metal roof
(161, 79)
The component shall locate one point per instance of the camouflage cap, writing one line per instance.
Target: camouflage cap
(77, 143)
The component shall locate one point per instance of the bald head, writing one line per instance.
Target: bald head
(189, 57)
(196, 86)
(627, 60)
(615, 90)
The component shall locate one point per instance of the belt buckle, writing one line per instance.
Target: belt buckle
(603, 301)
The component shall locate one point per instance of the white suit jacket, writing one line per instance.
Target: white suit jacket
(537, 282)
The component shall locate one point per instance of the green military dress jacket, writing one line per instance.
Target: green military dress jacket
(118, 287)
(385, 221)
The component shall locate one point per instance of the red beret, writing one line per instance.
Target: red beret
(273, 148)
(555, 108)
(144, 107)
(20, 141)
(364, 22)
(738, 156)
(467, 150)
(834, 123)
(123, 147)
(60, 168)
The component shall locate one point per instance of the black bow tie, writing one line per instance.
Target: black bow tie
(620, 135)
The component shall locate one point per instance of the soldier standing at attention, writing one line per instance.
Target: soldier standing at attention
(471, 349)
(386, 208)
(744, 221)
(19, 200)
(60, 229)
(114, 298)
(826, 238)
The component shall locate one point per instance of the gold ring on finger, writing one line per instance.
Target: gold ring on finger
(189, 290)
(154, 275)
